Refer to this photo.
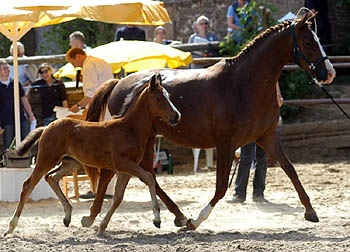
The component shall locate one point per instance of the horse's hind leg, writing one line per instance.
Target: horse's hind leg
(122, 182)
(68, 166)
(147, 164)
(271, 143)
(105, 178)
(27, 188)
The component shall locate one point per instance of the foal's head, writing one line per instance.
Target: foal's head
(160, 103)
(308, 52)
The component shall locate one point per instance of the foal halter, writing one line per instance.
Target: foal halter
(297, 53)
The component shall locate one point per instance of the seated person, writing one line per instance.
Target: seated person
(52, 93)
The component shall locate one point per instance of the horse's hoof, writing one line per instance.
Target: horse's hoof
(86, 221)
(156, 224)
(66, 221)
(180, 222)
(311, 216)
(189, 226)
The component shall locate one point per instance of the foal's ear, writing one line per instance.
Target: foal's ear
(159, 79)
(153, 83)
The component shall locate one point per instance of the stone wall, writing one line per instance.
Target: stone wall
(184, 12)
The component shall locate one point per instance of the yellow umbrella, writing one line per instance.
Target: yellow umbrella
(18, 16)
(134, 56)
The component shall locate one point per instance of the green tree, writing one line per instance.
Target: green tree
(96, 33)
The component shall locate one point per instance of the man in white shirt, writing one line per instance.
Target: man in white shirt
(95, 72)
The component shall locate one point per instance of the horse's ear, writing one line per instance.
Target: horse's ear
(306, 18)
(153, 83)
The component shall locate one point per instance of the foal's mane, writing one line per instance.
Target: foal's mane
(258, 39)
(131, 97)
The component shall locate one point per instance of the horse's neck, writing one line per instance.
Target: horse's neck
(268, 57)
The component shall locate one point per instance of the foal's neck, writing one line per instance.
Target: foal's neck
(139, 116)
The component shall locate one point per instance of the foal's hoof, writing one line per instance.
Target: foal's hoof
(311, 216)
(86, 221)
(66, 221)
(181, 221)
(156, 224)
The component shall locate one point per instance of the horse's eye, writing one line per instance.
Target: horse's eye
(158, 98)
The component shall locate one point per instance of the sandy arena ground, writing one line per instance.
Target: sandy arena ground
(275, 226)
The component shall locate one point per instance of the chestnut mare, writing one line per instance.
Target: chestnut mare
(225, 106)
(117, 145)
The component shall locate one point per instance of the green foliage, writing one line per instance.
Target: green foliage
(96, 33)
(342, 3)
(5, 44)
(252, 19)
(294, 85)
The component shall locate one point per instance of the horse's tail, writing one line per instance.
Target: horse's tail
(96, 110)
(29, 141)
(98, 103)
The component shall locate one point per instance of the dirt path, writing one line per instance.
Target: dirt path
(275, 226)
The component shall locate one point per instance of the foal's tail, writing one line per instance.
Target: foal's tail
(96, 110)
(98, 103)
(29, 141)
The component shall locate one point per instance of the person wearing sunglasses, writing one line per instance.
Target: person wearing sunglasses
(52, 93)
(202, 36)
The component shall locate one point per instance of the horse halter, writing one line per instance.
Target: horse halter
(297, 53)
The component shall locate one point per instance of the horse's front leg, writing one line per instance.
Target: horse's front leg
(225, 154)
(105, 177)
(147, 164)
(272, 144)
(68, 166)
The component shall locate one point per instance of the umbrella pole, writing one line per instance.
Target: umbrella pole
(16, 91)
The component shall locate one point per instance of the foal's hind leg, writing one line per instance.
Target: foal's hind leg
(68, 166)
(27, 188)
(147, 164)
(271, 143)
(120, 186)
(105, 178)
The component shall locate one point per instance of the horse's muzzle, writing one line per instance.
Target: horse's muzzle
(175, 119)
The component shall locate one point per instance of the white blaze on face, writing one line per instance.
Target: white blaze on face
(329, 66)
(166, 95)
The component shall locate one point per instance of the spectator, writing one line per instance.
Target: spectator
(77, 39)
(130, 32)
(7, 117)
(96, 71)
(159, 36)
(322, 20)
(202, 36)
(26, 73)
(235, 27)
(249, 153)
(52, 93)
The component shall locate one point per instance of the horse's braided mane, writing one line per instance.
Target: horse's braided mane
(129, 99)
(267, 33)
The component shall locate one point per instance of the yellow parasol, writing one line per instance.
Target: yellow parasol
(134, 56)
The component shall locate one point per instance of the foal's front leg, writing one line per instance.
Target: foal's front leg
(132, 168)
(272, 144)
(120, 186)
(105, 178)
